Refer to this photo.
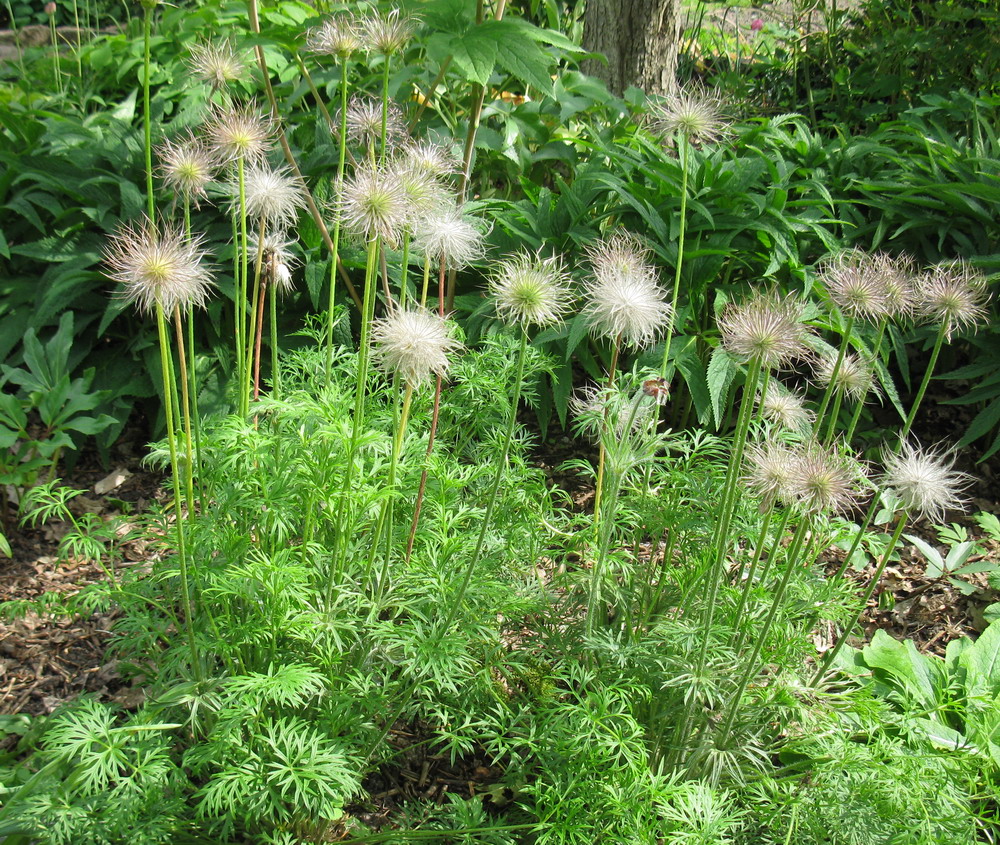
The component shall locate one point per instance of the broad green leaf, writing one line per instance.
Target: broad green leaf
(982, 659)
(722, 369)
(475, 54)
(519, 55)
(916, 674)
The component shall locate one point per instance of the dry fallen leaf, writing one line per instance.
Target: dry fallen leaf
(112, 481)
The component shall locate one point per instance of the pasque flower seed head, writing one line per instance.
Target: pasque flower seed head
(530, 290)
(217, 64)
(694, 113)
(854, 379)
(766, 328)
(388, 32)
(364, 122)
(953, 295)
(413, 343)
(624, 299)
(187, 166)
(772, 472)
(239, 132)
(272, 194)
(337, 36)
(158, 266)
(786, 408)
(824, 481)
(373, 205)
(446, 232)
(855, 285)
(924, 480)
(277, 261)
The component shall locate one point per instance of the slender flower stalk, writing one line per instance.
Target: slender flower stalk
(163, 270)
(147, 124)
(922, 482)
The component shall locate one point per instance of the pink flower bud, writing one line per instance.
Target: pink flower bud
(756, 25)
(50, 9)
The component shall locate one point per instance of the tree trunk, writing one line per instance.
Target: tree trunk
(640, 39)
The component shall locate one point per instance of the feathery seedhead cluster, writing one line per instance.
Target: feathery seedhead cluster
(694, 113)
(854, 379)
(427, 157)
(854, 286)
(450, 234)
(924, 481)
(896, 277)
(373, 205)
(869, 287)
(388, 32)
(953, 295)
(158, 267)
(364, 122)
(530, 290)
(413, 343)
(624, 299)
(771, 472)
(785, 408)
(824, 481)
(276, 259)
(217, 64)
(766, 328)
(239, 132)
(274, 195)
(186, 166)
(424, 192)
(337, 36)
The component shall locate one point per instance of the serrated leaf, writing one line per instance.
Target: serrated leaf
(518, 54)
(722, 369)
(578, 329)
(475, 54)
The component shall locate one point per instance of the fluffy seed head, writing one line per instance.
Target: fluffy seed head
(953, 295)
(925, 480)
(695, 114)
(854, 379)
(624, 298)
(896, 277)
(239, 132)
(388, 33)
(449, 233)
(277, 261)
(428, 157)
(364, 122)
(337, 36)
(855, 286)
(824, 481)
(413, 343)
(216, 64)
(157, 267)
(530, 290)
(786, 408)
(373, 205)
(767, 328)
(186, 166)
(771, 472)
(424, 192)
(274, 195)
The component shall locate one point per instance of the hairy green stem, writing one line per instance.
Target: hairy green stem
(161, 327)
(875, 579)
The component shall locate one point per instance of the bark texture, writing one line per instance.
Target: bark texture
(640, 39)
